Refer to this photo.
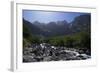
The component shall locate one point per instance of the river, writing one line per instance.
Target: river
(47, 52)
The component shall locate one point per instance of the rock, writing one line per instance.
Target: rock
(53, 47)
(48, 58)
(46, 52)
(39, 58)
(27, 58)
(84, 56)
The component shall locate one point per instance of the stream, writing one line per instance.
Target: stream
(47, 52)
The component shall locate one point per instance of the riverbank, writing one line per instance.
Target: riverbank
(47, 52)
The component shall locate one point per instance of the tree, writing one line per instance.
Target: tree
(68, 42)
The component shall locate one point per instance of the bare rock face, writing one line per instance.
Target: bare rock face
(47, 52)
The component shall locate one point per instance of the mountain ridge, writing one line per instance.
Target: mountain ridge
(80, 23)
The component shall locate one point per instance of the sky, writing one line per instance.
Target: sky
(49, 16)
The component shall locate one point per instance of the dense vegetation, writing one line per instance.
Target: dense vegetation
(79, 40)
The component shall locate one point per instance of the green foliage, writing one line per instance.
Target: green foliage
(26, 43)
(29, 38)
(85, 40)
(79, 40)
(68, 42)
(82, 40)
(56, 41)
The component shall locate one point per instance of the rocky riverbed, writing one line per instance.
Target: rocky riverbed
(47, 52)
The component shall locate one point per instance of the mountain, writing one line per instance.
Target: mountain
(32, 28)
(59, 28)
(81, 23)
(53, 28)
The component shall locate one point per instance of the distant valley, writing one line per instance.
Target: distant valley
(80, 23)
